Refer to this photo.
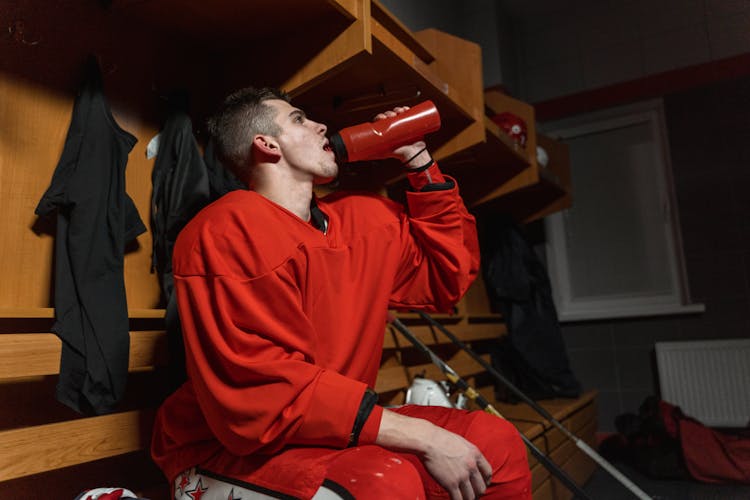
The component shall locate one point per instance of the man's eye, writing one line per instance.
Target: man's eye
(299, 119)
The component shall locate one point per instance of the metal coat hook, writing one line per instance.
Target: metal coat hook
(17, 32)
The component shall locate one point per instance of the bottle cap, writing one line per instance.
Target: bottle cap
(339, 148)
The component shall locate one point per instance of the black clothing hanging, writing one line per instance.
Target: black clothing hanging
(533, 354)
(220, 179)
(180, 189)
(95, 219)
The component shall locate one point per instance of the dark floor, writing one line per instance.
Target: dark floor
(602, 486)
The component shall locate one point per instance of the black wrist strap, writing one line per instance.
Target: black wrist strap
(415, 155)
(422, 168)
(369, 398)
(443, 186)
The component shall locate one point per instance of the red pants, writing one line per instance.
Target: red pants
(372, 472)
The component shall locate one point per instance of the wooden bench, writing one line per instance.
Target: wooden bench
(44, 446)
(49, 451)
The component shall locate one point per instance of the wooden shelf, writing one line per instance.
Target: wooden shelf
(459, 63)
(485, 318)
(342, 61)
(484, 169)
(549, 193)
(499, 176)
(395, 26)
(36, 354)
(401, 68)
(480, 169)
(230, 39)
(49, 312)
(443, 318)
(229, 24)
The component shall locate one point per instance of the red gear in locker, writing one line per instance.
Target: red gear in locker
(512, 125)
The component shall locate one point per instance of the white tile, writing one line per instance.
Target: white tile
(675, 49)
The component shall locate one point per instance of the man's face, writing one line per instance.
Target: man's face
(303, 142)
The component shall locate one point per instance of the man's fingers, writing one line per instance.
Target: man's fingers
(478, 483)
(390, 113)
(384, 114)
(455, 494)
(485, 468)
(467, 490)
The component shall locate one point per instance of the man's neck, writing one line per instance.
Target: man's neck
(290, 193)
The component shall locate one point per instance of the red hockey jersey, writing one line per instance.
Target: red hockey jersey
(284, 324)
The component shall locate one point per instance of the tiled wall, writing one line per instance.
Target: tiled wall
(709, 135)
(578, 45)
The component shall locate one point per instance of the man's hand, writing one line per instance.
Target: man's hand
(455, 463)
(415, 154)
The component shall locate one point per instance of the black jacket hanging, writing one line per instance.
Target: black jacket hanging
(95, 219)
(533, 354)
(180, 189)
(220, 179)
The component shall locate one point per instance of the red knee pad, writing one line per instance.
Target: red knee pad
(372, 472)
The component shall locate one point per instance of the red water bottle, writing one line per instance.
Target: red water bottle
(377, 140)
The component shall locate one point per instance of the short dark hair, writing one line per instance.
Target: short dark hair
(240, 117)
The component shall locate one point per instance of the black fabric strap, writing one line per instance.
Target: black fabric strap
(369, 398)
(442, 186)
(338, 489)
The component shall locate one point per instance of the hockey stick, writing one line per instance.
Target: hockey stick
(472, 394)
(634, 489)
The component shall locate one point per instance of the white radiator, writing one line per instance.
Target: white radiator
(709, 380)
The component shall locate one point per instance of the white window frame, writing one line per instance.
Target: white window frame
(677, 301)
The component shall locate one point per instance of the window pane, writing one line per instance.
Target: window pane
(616, 235)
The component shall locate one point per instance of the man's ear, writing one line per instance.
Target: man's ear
(267, 146)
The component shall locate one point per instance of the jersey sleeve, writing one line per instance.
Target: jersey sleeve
(252, 366)
(440, 250)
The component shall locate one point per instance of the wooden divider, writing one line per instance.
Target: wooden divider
(40, 438)
(347, 51)
(42, 448)
(36, 354)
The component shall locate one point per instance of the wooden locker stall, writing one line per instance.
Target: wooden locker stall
(341, 60)
(145, 50)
